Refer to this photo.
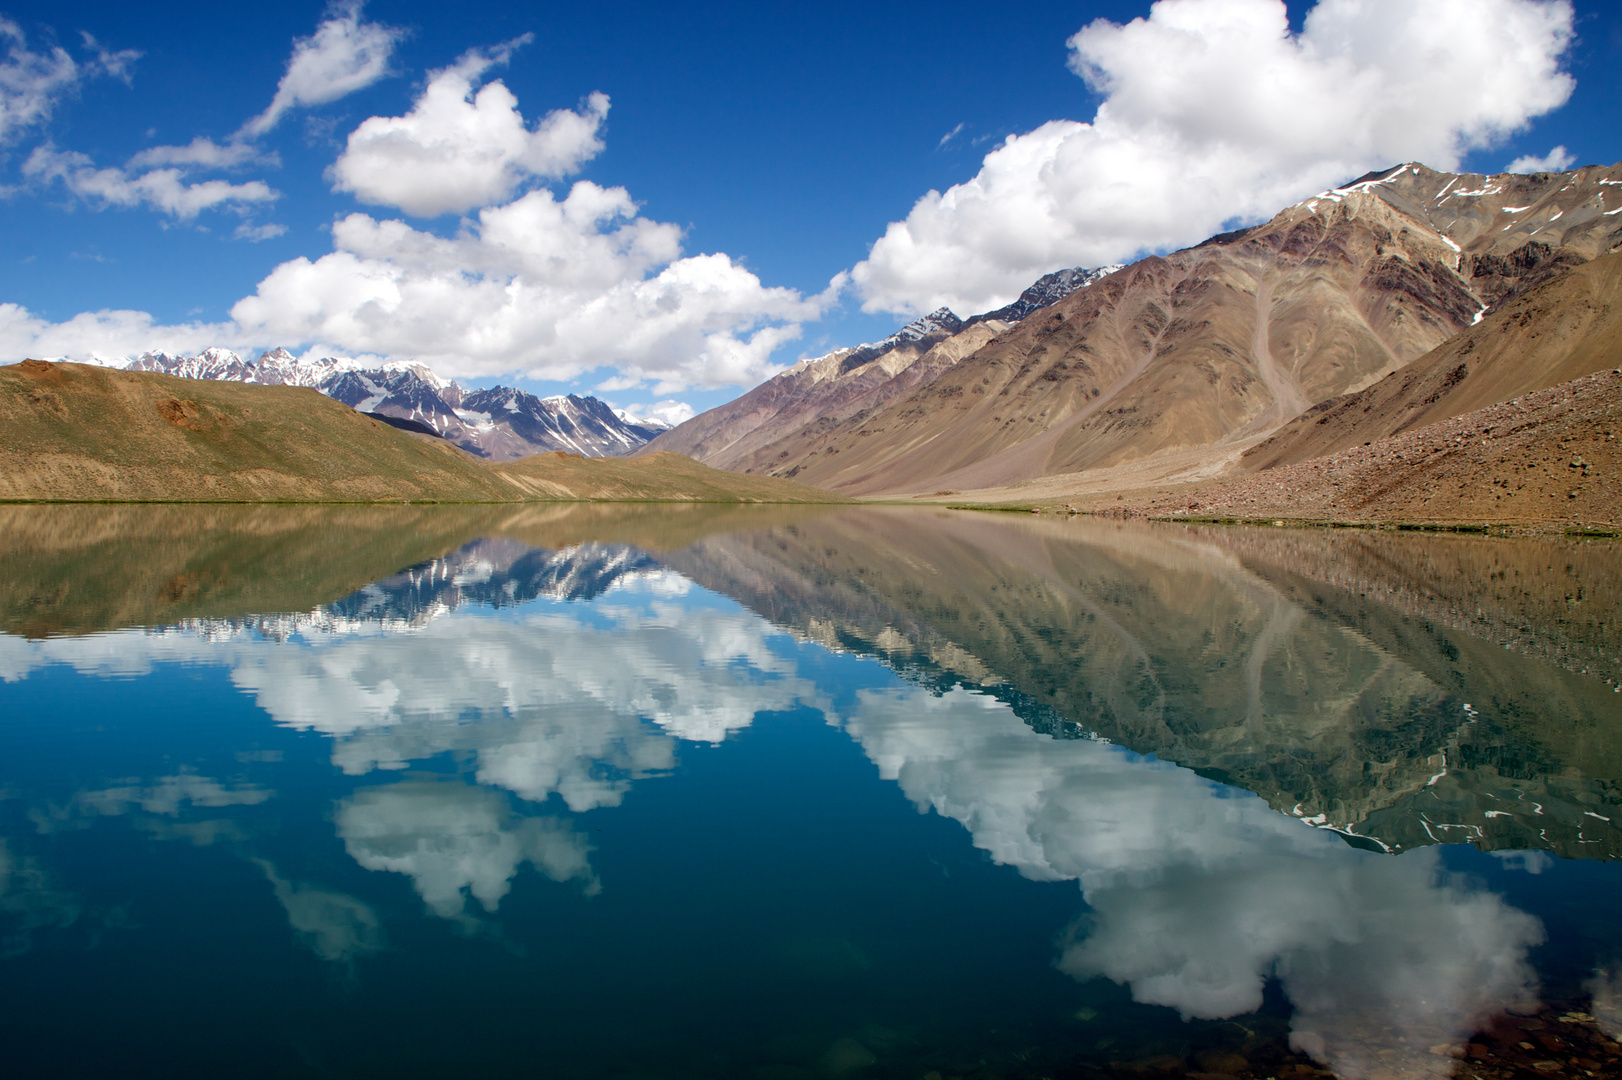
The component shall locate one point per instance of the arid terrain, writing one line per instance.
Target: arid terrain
(1512, 422)
(1165, 376)
(1564, 330)
(1551, 456)
(76, 433)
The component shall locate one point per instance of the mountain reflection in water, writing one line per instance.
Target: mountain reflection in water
(1247, 747)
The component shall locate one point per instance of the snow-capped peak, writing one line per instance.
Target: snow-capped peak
(642, 421)
(940, 321)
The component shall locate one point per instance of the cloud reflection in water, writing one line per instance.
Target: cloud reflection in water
(449, 836)
(1198, 893)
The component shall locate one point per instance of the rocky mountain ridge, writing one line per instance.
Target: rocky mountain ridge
(785, 416)
(498, 423)
(1178, 363)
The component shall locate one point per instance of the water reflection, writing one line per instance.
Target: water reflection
(1222, 742)
(450, 837)
(336, 926)
(31, 899)
(1370, 718)
(1199, 894)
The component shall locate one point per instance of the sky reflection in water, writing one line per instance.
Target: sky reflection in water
(494, 710)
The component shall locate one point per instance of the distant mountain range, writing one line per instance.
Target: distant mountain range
(88, 433)
(499, 423)
(1167, 370)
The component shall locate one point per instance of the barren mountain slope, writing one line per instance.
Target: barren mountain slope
(75, 433)
(816, 392)
(1216, 342)
(1569, 327)
(1214, 346)
(797, 431)
(786, 416)
(1517, 231)
(1551, 457)
(657, 477)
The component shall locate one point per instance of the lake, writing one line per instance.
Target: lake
(862, 792)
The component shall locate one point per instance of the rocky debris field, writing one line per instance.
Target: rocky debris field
(1555, 1042)
(1548, 458)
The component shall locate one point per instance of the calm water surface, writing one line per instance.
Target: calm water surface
(606, 792)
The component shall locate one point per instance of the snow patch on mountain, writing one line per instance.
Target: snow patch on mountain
(500, 423)
(943, 323)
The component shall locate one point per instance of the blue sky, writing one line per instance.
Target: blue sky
(784, 146)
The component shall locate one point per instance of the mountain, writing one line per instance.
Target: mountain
(1049, 289)
(785, 417)
(1512, 422)
(1569, 327)
(1173, 366)
(1550, 457)
(500, 423)
(78, 433)
(508, 424)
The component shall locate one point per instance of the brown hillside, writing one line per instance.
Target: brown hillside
(1211, 348)
(1570, 327)
(1219, 342)
(657, 477)
(76, 433)
(1549, 457)
(767, 424)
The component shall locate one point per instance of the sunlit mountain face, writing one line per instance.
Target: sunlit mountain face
(856, 792)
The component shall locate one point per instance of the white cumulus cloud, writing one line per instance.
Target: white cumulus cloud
(342, 56)
(201, 152)
(1213, 110)
(463, 146)
(551, 287)
(255, 233)
(106, 335)
(546, 284)
(1557, 160)
(670, 412)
